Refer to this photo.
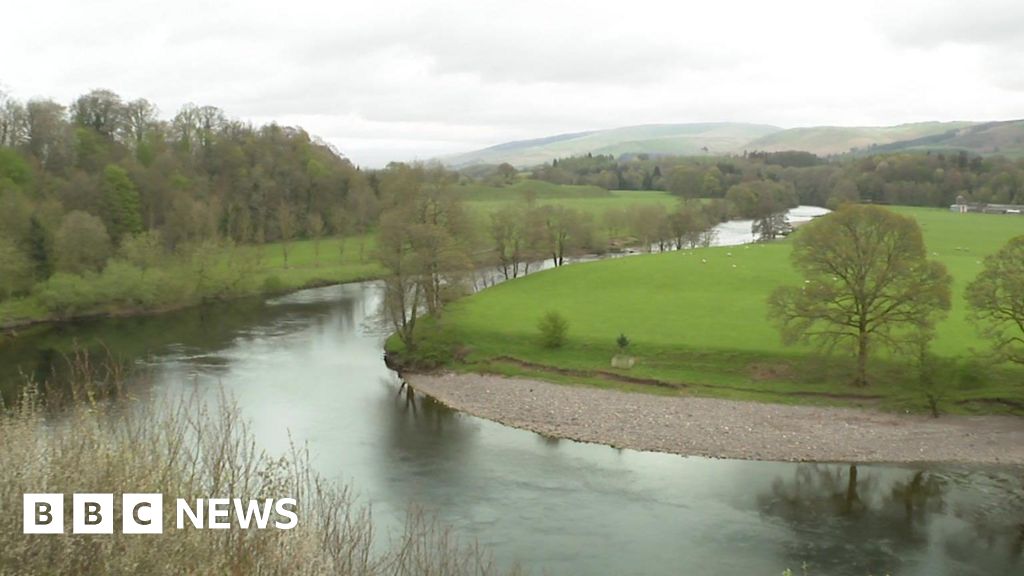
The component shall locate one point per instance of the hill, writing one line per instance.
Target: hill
(827, 140)
(1006, 137)
(664, 139)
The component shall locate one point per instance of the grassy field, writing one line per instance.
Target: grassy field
(595, 206)
(340, 260)
(704, 325)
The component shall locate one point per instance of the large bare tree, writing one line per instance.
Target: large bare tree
(866, 281)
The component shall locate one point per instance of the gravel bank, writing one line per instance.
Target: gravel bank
(727, 428)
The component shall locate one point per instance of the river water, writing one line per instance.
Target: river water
(310, 364)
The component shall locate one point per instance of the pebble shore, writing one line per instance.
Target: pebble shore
(727, 428)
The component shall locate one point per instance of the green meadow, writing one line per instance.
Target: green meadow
(482, 200)
(697, 321)
(177, 281)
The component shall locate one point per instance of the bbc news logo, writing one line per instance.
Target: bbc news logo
(144, 513)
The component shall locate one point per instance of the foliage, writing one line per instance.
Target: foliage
(422, 246)
(554, 329)
(16, 273)
(622, 342)
(996, 298)
(909, 178)
(866, 281)
(81, 244)
(120, 203)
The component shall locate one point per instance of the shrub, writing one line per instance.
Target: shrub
(553, 329)
(273, 284)
(622, 342)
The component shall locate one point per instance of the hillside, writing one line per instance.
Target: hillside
(1006, 138)
(826, 140)
(733, 138)
(667, 139)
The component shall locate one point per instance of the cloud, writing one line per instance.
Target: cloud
(421, 79)
(995, 23)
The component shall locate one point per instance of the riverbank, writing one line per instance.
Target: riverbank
(717, 428)
(176, 283)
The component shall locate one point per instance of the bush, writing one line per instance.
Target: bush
(273, 284)
(622, 342)
(553, 329)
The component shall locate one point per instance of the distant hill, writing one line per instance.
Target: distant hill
(733, 138)
(826, 140)
(1006, 138)
(664, 139)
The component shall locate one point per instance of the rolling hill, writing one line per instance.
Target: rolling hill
(663, 139)
(733, 138)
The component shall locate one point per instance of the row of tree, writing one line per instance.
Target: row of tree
(918, 179)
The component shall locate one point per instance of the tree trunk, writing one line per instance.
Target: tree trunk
(862, 360)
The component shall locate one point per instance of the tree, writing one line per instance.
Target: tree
(996, 299)
(81, 243)
(506, 172)
(16, 272)
(315, 227)
(100, 110)
(568, 232)
(507, 231)
(685, 181)
(422, 244)
(866, 280)
(120, 203)
(553, 329)
(285, 227)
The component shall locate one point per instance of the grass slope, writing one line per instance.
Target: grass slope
(704, 324)
(1004, 138)
(825, 140)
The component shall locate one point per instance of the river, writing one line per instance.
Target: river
(310, 364)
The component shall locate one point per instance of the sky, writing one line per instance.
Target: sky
(390, 80)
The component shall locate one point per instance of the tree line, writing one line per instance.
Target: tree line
(911, 178)
(82, 182)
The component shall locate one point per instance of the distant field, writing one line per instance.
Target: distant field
(522, 188)
(594, 205)
(705, 323)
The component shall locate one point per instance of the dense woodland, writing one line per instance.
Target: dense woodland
(105, 177)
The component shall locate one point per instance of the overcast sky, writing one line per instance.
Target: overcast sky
(386, 80)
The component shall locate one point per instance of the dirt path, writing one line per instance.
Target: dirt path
(727, 428)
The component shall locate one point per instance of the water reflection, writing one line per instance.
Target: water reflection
(850, 519)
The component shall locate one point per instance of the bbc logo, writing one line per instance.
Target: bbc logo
(93, 514)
